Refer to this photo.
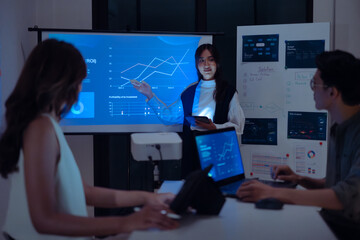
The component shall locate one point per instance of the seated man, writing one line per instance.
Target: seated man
(336, 87)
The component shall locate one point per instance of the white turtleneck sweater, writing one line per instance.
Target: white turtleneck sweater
(204, 105)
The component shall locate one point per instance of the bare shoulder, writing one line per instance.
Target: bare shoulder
(39, 124)
(40, 144)
(39, 130)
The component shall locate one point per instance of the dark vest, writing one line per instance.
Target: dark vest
(190, 159)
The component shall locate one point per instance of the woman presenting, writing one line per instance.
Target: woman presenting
(210, 96)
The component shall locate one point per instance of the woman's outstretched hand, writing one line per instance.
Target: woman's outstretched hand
(143, 87)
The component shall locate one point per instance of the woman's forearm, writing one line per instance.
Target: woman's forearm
(110, 198)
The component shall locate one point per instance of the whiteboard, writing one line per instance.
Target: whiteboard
(275, 64)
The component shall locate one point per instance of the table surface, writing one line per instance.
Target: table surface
(239, 220)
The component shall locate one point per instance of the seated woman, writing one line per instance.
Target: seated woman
(48, 197)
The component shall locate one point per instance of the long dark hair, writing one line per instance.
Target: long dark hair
(50, 78)
(220, 83)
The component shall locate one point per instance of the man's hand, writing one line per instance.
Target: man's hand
(253, 191)
(284, 172)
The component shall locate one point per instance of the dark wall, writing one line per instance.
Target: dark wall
(225, 16)
(201, 15)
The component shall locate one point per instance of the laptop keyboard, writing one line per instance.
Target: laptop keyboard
(231, 188)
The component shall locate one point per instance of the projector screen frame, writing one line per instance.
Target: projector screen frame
(120, 128)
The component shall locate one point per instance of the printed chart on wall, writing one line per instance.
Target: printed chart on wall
(275, 64)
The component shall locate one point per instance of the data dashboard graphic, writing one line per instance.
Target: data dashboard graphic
(260, 48)
(78, 110)
(260, 131)
(307, 125)
(165, 62)
(156, 66)
(301, 54)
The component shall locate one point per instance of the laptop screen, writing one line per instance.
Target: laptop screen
(220, 147)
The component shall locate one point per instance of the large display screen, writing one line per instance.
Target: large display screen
(108, 102)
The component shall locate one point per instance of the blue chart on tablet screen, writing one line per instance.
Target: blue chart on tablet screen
(166, 63)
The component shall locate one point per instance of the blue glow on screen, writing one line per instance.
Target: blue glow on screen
(78, 110)
(107, 97)
(222, 150)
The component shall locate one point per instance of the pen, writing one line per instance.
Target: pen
(170, 215)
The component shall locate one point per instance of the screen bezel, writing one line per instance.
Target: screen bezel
(120, 128)
(228, 180)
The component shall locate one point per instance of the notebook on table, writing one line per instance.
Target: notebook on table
(220, 147)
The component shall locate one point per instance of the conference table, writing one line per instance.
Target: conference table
(240, 220)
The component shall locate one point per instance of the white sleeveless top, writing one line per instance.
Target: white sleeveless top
(69, 194)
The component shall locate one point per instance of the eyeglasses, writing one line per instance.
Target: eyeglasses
(313, 85)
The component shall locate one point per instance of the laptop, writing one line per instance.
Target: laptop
(220, 147)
